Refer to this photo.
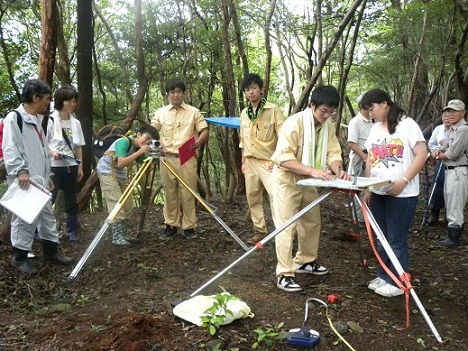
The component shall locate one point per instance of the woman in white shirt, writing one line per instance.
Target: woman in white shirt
(65, 138)
(396, 151)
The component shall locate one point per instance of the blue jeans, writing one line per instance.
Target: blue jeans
(394, 216)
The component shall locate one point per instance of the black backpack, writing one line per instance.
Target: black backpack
(105, 137)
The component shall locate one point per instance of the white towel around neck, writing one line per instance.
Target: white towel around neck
(308, 154)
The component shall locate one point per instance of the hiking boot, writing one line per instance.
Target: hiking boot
(311, 268)
(256, 238)
(376, 283)
(190, 233)
(388, 290)
(118, 235)
(168, 233)
(288, 284)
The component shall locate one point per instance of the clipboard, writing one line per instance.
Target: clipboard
(26, 204)
(185, 153)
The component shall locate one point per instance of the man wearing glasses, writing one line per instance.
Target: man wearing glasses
(454, 155)
(307, 147)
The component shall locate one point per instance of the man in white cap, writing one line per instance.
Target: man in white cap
(358, 131)
(454, 155)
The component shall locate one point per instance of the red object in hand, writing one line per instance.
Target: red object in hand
(332, 298)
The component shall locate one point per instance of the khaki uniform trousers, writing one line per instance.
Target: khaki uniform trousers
(257, 178)
(177, 197)
(113, 187)
(455, 195)
(289, 200)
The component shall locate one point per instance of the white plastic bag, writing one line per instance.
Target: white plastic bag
(193, 309)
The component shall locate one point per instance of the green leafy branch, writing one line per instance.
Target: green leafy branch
(215, 316)
(269, 336)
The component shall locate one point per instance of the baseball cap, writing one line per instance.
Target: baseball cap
(456, 105)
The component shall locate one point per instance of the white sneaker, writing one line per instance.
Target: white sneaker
(376, 283)
(388, 290)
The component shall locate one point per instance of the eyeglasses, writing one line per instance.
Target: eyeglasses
(326, 112)
(451, 112)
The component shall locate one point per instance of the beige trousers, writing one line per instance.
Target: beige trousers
(289, 199)
(112, 188)
(257, 179)
(179, 202)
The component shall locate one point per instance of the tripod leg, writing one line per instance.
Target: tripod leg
(355, 230)
(110, 218)
(206, 206)
(145, 201)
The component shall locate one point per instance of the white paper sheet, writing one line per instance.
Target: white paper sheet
(26, 204)
(354, 184)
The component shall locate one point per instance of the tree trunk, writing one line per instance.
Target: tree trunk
(7, 60)
(230, 83)
(84, 109)
(62, 64)
(48, 41)
(266, 85)
(462, 77)
(240, 43)
(135, 108)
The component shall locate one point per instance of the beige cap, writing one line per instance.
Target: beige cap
(456, 105)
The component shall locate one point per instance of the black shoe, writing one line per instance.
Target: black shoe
(168, 233)
(288, 284)
(24, 266)
(20, 261)
(51, 254)
(190, 233)
(448, 242)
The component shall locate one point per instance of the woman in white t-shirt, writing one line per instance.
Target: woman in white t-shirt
(65, 138)
(396, 151)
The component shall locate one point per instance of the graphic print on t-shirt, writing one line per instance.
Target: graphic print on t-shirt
(386, 152)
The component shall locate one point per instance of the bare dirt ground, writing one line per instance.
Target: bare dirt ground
(121, 299)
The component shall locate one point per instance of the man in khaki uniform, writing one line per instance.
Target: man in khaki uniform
(260, 123)
(177, 123)
(307, 147)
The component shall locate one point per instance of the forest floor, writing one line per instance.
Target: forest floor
(121, 299)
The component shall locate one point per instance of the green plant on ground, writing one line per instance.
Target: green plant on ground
(215, 316)
(269, 335)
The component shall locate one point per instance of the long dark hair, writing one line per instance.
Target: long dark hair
(377, 96)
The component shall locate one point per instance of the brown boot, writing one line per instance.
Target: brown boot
(256, 238)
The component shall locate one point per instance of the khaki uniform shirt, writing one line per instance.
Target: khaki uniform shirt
(291, 141)
(258, 138)
(176, 126)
